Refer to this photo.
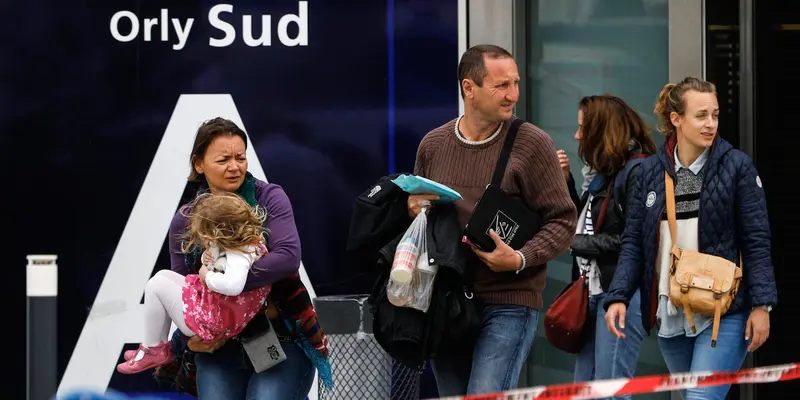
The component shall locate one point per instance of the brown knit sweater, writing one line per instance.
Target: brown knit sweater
(533, 174)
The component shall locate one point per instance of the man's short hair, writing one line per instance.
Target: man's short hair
(472, 65)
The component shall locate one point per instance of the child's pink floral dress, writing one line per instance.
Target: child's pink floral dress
(213, 315)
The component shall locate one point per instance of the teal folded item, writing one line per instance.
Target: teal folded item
(418, 185)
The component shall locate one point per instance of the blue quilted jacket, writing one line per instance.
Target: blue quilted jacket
(732, 218)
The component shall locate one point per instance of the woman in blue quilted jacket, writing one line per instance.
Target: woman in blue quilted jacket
(720, 210)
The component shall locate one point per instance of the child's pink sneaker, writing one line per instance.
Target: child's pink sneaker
(129, 354)
(146, 358)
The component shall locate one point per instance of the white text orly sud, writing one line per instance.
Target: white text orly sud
(181, 29)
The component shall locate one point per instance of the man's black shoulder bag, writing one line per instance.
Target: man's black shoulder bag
(513, 222)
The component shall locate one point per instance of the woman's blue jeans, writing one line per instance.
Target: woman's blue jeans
(603, 355)
(228, 374)
(695, 354)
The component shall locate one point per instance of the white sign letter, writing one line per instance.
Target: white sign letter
(115, 26)
(164, 24)
(148, 28)
(301, 19)
(247, 31)
(216, 22)
(182, 32)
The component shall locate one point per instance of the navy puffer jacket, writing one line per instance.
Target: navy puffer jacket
(732, 218)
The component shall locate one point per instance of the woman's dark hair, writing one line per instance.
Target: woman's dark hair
(206, 134)
(671, 100)
(609, 125)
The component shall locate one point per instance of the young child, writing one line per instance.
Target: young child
(210, 304)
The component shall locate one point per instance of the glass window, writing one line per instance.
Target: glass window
(576, 48)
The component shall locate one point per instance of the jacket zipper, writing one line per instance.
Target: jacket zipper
(705, 184)
(656, 267)
(700, 203)
(656, 273)
(596, 216)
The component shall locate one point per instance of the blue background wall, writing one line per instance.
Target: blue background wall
(81, 116)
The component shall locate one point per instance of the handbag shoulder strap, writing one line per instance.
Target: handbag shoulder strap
(505, 153)
(669, 186)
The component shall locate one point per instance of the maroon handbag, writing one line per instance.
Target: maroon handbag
(565, 319)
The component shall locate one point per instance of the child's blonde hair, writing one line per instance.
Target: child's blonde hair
(224, 218)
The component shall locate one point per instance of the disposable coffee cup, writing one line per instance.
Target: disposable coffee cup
(405, 259)
(402, 274)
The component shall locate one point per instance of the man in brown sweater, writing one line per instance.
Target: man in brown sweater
(508, 282)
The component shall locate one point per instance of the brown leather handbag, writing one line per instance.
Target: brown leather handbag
(565, 319)
(699, 282)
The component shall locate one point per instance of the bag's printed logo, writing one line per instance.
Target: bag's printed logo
(504, 226)
(273, 352)
(374, 191)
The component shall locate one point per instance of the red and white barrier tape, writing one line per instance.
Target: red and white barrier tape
(644, 384)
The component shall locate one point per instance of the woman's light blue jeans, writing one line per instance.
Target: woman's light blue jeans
(603, 355)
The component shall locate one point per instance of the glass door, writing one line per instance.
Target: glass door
(722, 59)
(576, 48)
(776, 28)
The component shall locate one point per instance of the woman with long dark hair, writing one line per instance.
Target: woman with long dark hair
(610, 135)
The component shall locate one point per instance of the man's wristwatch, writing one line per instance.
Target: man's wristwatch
(767, 308)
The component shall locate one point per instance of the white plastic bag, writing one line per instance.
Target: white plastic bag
(411, 278)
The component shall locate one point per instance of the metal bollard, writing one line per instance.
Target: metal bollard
(42, 366)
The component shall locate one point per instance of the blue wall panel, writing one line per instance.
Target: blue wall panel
(82, 115)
